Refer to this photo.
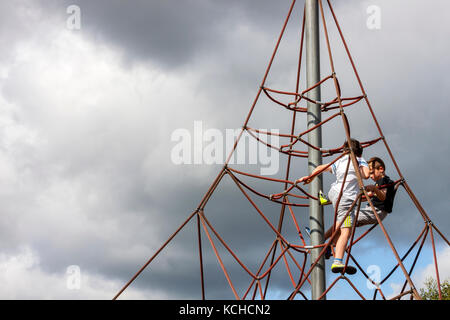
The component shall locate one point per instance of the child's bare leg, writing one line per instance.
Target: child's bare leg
(342, 242)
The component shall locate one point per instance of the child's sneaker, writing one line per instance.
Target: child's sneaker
(338, 267)
(323, 199)
(328, 252)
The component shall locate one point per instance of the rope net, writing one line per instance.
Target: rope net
(293, 196)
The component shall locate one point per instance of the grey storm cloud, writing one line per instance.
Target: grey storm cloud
(170, 33)
(109, 173)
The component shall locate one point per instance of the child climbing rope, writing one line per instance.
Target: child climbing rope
(350, 191)
(382, 195)
(382, 198)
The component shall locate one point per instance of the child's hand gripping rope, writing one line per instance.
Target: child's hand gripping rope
(305, 179)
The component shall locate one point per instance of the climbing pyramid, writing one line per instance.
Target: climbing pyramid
(280, 203)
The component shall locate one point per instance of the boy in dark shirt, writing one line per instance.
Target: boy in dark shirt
(382, 198)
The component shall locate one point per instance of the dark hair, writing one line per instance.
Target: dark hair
(356, 147)
(377, 162)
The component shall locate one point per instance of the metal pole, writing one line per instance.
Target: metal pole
(315, 139)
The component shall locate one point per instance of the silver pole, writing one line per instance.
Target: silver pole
(315, 139)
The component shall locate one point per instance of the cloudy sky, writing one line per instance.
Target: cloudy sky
(88, 110)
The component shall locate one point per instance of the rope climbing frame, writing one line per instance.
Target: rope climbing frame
(297, 254)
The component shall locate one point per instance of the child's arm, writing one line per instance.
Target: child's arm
(374, 191)
(308, 179)
(365, 173)
(363, 168)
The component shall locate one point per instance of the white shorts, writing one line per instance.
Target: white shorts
(344, 205)
(365, 216)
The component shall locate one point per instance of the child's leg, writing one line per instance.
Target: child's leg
(338, 263)
(341, 243)
(345, 219)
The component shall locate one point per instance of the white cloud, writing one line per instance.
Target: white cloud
(22, 277)
(81, 134)
(443, 259)
(423, 273)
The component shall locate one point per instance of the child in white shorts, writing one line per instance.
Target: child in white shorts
(349, 193)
